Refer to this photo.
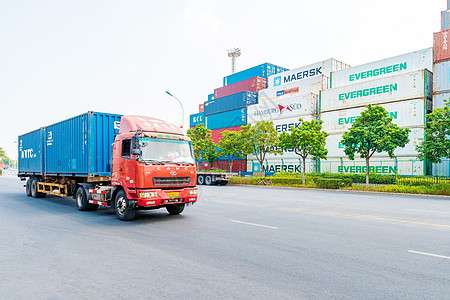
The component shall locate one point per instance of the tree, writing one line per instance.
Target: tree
(373, 132)
(261, 139)
(204, 146)
(2, 153)
(436, 142)
(231, 145)
(306, 139)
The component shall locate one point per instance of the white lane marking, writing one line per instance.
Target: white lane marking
(253, 224)
(428, 211)
(428, 254)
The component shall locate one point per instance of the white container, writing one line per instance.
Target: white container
(311, 85)
(409, 62)
(281, 165)
(317, 69)
(379, 165)
(283, 108)
(441, 77)
(414, 85)
(408, 113)
(438, 99)
(336, 148)
(281, 126)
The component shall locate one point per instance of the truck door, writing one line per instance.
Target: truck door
(126, 171)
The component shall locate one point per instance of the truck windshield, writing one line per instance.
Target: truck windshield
(166, 151)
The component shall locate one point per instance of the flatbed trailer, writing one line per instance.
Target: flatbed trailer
(214, 178)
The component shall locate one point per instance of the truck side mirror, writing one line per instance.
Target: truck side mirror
(136, 151)
(134, 143)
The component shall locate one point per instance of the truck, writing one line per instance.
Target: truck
(126, 162)
(213, 178)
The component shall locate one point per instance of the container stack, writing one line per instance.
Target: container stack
(226, 109)
(403, 85)
(290, 95)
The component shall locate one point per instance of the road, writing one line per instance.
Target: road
(237, 242)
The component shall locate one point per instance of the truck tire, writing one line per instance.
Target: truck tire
(200, 180)
(175, 209)
(28, 187)
(125, 210)
(208, 180)
(82, 200)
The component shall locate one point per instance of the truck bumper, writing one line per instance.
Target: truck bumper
(158, 197)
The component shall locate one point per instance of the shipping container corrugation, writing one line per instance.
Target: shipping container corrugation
(440, 46)
(408, 113)
(196, 119)
(81, 146)
(231, 102)
(216, 133)
(312, 85)
(262, 70)
(210, 96)
(413, 85)
(201, 108)
(445, 18)
(227, 119)
(409, 62)
(336, 149)
(438, 99)
(284, 108)
(320, 68)
(31, 152)
(441, 77)
(238, 166)
(380, 165)
(254, 84)
(281, 164)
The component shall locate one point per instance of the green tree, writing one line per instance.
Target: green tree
(373, 132)
(306, 139)
(2, 153)
(261, 139)
(209, 152)
(204, 146)
(231, 145)
(436, 142)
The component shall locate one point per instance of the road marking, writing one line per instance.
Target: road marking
(253, 224)
(428, 254)
(428, 211)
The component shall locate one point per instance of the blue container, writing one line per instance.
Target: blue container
(231, 102)
(263, 70)
(210, 96)
(445, 20)
(79, 146)
(196, 119)
(227, 119)
(31, 152)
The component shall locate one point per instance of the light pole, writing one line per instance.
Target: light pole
(182, 111)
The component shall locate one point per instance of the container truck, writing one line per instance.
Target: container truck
(129, 163)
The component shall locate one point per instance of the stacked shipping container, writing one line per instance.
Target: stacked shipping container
(401, 84)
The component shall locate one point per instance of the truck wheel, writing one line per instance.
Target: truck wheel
(33, 189)
(83, 202)
(208, 180)
(28, 187)
(200, 180)
(175, 209)
(125, 211)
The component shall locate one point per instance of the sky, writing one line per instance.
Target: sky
(59, 59)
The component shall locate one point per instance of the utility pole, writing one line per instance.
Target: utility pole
(233, 53)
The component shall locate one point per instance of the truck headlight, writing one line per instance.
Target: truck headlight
(193, 192)
(148, 194)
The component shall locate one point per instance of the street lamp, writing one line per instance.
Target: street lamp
(182, 111)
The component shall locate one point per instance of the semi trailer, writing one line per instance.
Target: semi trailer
(129, 163)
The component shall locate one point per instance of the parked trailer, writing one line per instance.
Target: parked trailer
(126, 162)
(213, 178)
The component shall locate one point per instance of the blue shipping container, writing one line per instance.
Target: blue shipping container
(196, 119)
(80, 146)
(231, 102)
(263, 70)
(445, 18)
(210, 96)
(31, 152)
(227, 119)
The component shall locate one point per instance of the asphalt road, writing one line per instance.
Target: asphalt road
(236, 243)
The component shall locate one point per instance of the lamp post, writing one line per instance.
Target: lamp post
(182, 111)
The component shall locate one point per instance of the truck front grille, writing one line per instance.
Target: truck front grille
(171, 181)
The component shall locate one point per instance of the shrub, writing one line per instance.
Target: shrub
(328, 183)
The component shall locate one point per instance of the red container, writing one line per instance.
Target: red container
(254, 84)
(238, 166)
(441, 46)
(216, 134)
(201, 108)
